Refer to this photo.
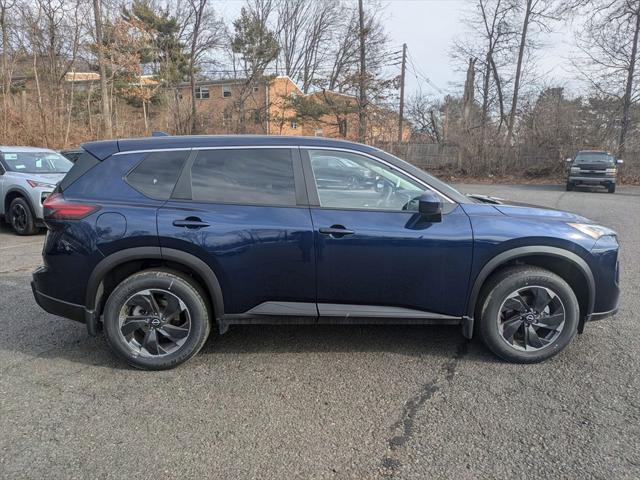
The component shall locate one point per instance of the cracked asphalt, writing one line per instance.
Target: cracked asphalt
(362, 402)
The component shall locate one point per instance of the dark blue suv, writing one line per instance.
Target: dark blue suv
(159, 240)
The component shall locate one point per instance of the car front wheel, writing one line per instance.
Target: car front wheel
(156, 320)
(527, 314)
(21, 217)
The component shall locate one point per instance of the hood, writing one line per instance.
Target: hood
(53, 178)
(518, 209)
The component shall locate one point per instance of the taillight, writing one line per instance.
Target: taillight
(55, 207)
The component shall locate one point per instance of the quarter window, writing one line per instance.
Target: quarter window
(350, 181)
(157, 174)
(245, 176)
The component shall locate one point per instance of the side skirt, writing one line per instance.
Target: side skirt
(296, 313)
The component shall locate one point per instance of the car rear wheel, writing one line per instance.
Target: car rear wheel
(156, 320)
(21, 217)
(528, 314)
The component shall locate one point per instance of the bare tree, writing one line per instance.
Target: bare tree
(610, 47)
(104, 90)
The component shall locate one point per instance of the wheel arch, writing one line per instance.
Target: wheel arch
(14, 193)
(112, 269)
(568, 265)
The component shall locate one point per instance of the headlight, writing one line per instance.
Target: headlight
(594, 231)
(575, 169)
(610, 171)
(36, 184)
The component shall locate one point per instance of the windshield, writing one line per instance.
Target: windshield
(594, 157)
(36, 162)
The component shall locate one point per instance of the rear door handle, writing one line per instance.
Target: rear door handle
(336, 231)
(190, 222)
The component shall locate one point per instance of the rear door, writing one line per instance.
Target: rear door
(244, 212)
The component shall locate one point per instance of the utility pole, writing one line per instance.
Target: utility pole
(362, 117)
(401, 112)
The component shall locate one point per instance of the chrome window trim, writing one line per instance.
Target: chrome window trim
(302, 147)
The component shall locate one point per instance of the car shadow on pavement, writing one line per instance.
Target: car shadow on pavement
(60, 339)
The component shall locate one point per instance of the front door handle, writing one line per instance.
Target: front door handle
(190, 222)
(336, 231)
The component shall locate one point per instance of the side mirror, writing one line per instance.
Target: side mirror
(620, 161)
(430, 206)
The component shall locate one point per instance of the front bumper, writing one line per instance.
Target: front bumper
(592, 180)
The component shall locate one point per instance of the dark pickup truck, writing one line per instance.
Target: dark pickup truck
(593, 167)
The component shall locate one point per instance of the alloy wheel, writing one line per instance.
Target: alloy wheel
(154, 322)
(19, 218)
(531, 318)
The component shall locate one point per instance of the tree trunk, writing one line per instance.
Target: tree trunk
(104, 91)
(362, 117)
(516, 82)
(626, 100)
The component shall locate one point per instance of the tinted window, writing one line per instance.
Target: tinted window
(157, 174)
(251, 176)
(595, 157)
(83, 164)
(346, 180)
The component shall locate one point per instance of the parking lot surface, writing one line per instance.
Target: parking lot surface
(363, 402)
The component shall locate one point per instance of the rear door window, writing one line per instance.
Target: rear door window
(157, 174)
(244, 176)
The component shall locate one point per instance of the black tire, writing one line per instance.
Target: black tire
(496, 292)
(570, 186)
(174, 285)
(21, 217)
(611, 188)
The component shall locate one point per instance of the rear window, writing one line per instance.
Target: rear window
(157, 174)
(247, 176)
(82, 165)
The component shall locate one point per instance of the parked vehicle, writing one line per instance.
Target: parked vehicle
(593, 167)
(159, 240)
(28, 175)
(72, 154)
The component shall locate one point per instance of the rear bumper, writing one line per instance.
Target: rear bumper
(58, 307)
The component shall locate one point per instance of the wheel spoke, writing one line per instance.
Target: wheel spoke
(552, 321)
(150, 342)
(172, 310)
(510, 327)
(133, 323)
(516, 303)
(541, 299)
(532, 338)
(173, 333)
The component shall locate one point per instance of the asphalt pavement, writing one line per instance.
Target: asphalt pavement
(316, 402)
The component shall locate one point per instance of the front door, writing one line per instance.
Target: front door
(376, 256)
(239, 210)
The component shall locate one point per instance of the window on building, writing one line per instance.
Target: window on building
(256, 88)
(257, 118)
(319, 132)
(246, 176)
(226, 91)
(202, 93)
(294, 124)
